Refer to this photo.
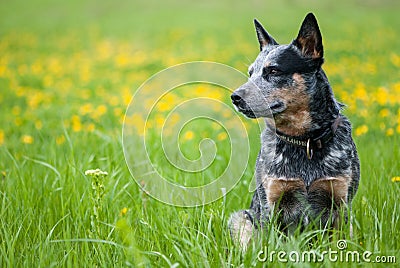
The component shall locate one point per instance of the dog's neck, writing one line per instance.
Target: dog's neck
(314, 126)
(311, 141)
(311, 133)
(324, 108)
(318, 124)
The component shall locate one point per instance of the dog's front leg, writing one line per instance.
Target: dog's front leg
(328, 201)
(246, 224)
(242, 227)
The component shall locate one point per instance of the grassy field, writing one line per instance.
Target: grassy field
(68, 71)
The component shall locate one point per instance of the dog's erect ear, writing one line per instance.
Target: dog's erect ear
(263, 37)
(309, 40)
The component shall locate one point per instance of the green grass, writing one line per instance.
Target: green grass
(67, 72)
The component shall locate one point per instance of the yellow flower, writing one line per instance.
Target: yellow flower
(3, 70)
(118, 111)
(188, 135)
(215, 95)
(98, 112)
(361, 130)
(174, 118)
(35, 99)
(123, 211)
(60, 139)
(389, 132)
(360, 92)
(395, 59)
(1, 137)
(126, 95)
(122, 60)
(101, 109)
(222, 136)
(167, 102)
(396, 179)
(137, 121)
(384, 113)
(163, 106)
(90, 127)
(27, 139)
(85, 109)
(76, 123)
(159, 120)
(200, 90)
(382, 95)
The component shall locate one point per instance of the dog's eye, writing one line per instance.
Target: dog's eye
(271, 71)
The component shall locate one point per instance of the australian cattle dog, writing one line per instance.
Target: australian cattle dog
(307, 170)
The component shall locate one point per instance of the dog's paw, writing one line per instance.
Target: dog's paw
(241, 228)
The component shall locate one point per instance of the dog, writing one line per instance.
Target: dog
(307, 170)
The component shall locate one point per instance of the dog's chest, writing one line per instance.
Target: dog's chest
(292, 174)
(334, 187)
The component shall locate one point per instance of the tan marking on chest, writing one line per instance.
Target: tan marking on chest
(337, 187)
(276, 187)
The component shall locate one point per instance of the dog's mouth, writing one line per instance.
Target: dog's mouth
(246, 111)
(249, 114)
(273, 108)
(276, 107)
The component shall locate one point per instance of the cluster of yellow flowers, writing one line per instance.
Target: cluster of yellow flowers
(68, 85)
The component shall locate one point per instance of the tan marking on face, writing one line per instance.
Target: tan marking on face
(276, 187)
(296, 119)
(337, 187)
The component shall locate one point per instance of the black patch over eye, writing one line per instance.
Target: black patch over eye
(271, 71)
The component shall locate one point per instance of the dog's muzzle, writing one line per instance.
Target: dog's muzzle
(241, 105)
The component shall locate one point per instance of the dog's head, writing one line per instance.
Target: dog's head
(283, 78)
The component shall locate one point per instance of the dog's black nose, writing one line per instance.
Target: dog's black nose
(236, 98)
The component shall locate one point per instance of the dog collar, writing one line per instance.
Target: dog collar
(313, 142)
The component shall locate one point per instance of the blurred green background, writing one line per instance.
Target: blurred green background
(68, 70)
